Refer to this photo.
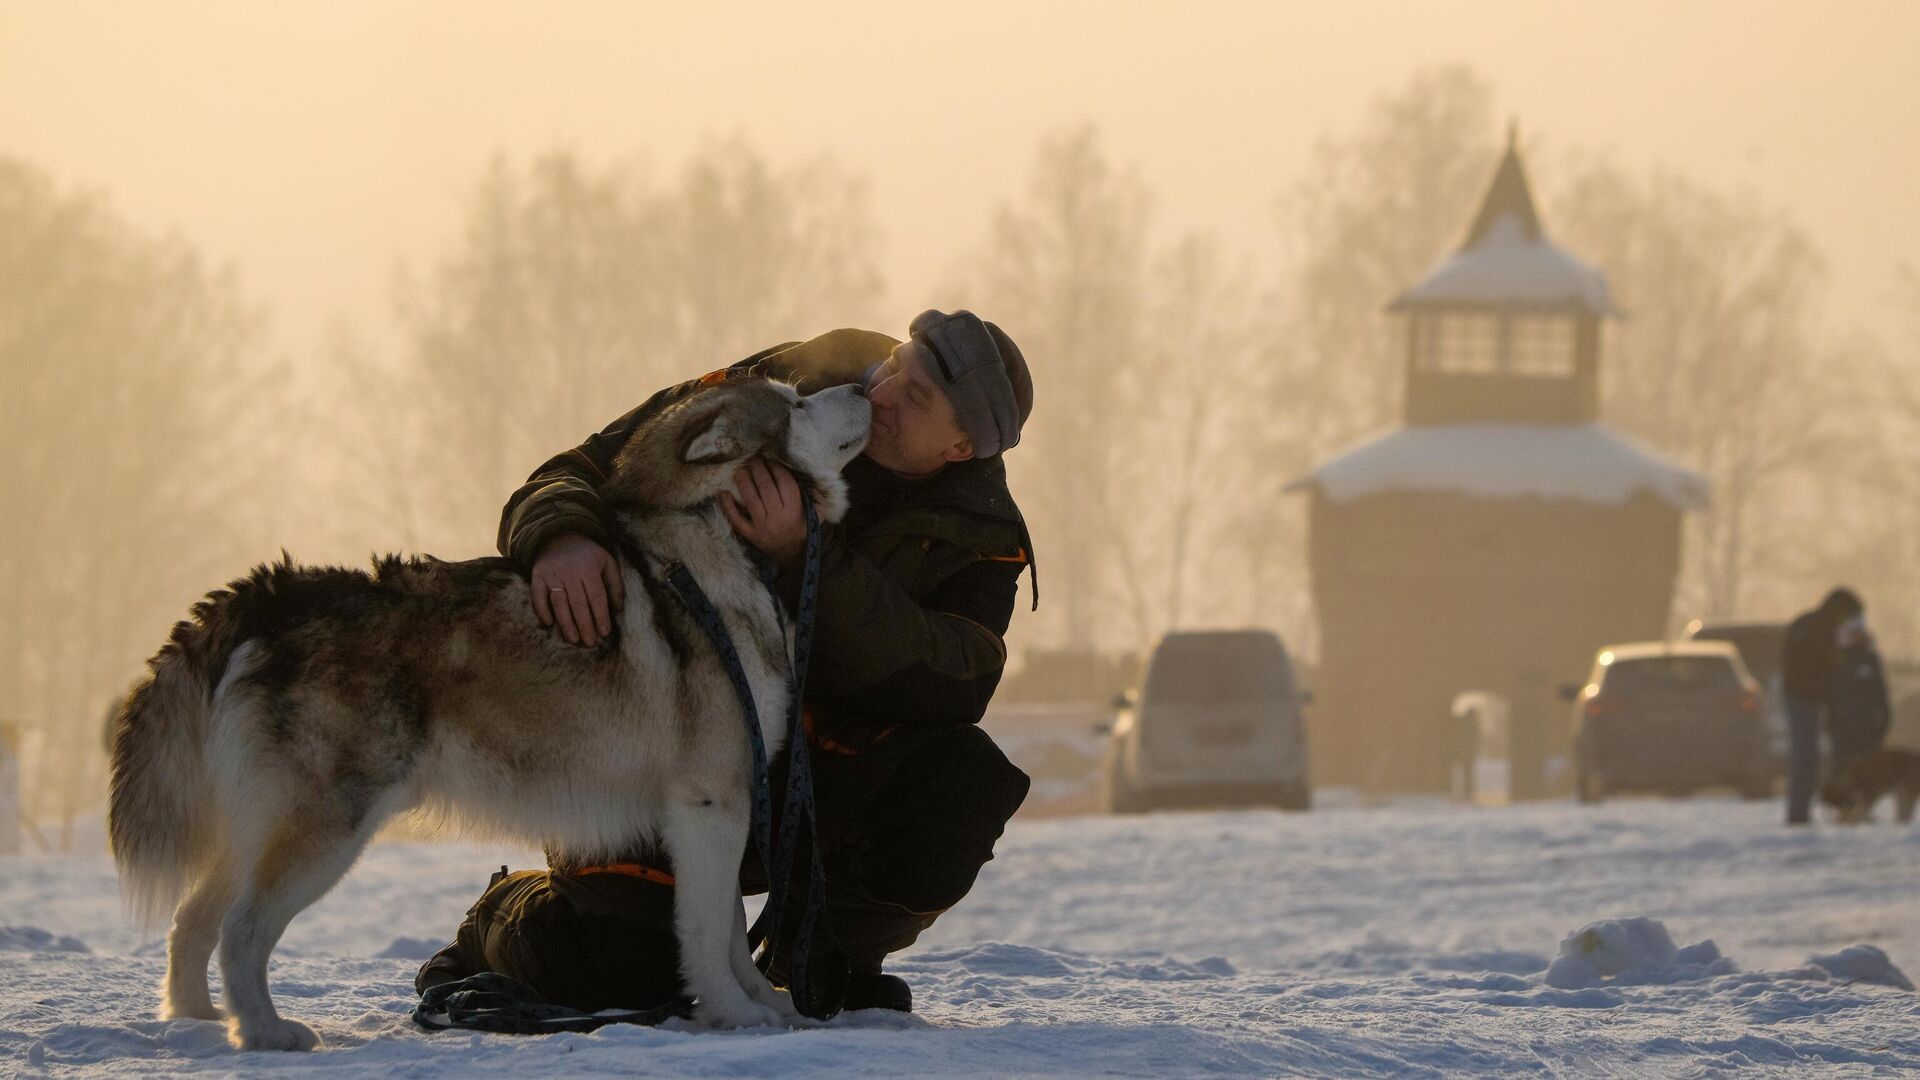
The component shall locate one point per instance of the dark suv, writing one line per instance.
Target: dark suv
(1670, 717)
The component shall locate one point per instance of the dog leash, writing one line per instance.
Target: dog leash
(798, 803)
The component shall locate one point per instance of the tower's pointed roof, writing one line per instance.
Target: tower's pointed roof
(1507, 260)
(1509, 195)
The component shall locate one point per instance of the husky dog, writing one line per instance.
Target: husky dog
(1856, 784)
(300, 708)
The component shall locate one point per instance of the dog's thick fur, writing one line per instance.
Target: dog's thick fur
(1856, 785)
(299, 708)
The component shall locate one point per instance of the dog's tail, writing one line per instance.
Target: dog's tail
(161, 814)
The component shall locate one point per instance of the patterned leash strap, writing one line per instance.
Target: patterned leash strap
(798, 807)
(703, 612)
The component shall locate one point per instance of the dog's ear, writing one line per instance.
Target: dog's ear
(713, 441)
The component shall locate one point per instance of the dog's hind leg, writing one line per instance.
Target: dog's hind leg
(196, 929)
(1903, 802)
(705, 836)
(300, 863)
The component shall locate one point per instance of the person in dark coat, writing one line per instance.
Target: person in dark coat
(1808, 661)
(917, 587)
(1859, 712)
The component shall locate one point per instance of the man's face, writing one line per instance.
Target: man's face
(914, 430)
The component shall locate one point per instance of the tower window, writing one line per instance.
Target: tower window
(1458, 344)
(1537, 346)
(1471, 344)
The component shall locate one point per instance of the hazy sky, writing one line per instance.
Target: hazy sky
(315, 147)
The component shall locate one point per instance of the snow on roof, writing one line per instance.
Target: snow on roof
(1586, 462)
(1507, 259)
(1507, 267)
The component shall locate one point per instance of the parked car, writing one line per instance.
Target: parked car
(1215, 722)
(1760, 645)
(1672, 717)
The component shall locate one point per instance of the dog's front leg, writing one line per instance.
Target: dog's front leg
(705, 835)
(756, 984)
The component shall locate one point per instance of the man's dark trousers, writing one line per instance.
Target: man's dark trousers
(1803, 757)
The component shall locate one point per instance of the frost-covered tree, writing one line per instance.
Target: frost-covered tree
(1377, 207)
(1065, 271)
(1858, 521)
(129, 418)
(1718, 362)
(1149, 374)
(577, 290)
(1199, 406)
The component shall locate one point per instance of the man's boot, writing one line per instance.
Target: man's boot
(450, 964)
(862, 987)
(877, 990)
(457, 961)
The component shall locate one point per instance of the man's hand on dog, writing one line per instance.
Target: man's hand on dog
(576, 583)
(764, 508)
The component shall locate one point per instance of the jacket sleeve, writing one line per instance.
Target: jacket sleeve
(563, 496)
(889, 656)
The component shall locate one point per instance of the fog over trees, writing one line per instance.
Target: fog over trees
(159, 443)
(127, 414)
(578, 289)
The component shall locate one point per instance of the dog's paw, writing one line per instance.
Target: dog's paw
(278, 1033)
(775, 1017)
(764, 995)
(739, 1011)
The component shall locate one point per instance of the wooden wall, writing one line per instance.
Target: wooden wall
(1424, 595)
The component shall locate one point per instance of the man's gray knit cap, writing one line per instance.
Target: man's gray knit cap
(983, 374)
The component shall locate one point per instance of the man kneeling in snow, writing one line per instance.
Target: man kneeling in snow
(917, 587)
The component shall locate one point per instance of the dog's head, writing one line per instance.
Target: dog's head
(689, 452)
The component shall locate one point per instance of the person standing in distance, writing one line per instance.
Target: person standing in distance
(1807, 664)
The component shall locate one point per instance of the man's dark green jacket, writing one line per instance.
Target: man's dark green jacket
(914, 602)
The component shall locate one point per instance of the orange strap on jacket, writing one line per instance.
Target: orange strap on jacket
(630, 869)
(831, 746)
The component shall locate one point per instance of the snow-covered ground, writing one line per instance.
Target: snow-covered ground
(1638, 938)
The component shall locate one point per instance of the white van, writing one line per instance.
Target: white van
(1216, 722)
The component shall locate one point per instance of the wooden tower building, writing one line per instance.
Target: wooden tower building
(1502, 535)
